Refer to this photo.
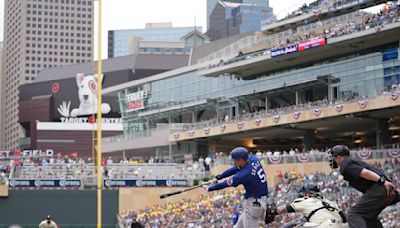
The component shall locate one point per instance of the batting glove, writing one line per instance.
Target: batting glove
(205, 187)
(211, 182)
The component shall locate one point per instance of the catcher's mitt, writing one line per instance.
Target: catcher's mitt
(270, 213)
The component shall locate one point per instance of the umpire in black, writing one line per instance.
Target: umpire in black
(378, 190)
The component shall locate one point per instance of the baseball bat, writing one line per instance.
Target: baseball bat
(178, 192)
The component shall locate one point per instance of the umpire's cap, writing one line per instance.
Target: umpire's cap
(239, 152)
(341, 150)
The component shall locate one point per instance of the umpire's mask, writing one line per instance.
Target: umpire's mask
(332, 162)
(338, 150)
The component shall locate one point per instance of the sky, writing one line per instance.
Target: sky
(133, 14)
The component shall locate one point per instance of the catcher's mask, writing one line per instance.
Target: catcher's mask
(309, 190)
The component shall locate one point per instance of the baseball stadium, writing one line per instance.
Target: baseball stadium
(310, 109)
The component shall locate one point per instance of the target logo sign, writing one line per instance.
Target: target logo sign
(92, 120)
(55, 88)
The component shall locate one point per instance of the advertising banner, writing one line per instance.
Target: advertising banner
(144, 183)
(135, 101)
(44, 183)
(27, 153)
(290, 49)
(283, 51)
(311, 44)
(348, 4)
(277, 52)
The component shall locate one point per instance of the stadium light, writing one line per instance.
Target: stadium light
(394, 128)
(251, 145)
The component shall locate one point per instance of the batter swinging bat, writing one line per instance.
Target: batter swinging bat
(178, 192)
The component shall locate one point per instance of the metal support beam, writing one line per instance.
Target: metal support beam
(170, 151)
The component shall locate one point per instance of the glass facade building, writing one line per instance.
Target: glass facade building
(365, 74)
(252, 17)
(118, 39)
(228, 19)
(212, 3)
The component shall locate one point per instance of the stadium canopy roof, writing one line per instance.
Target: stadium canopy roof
(131, 62)
(174, 109)
(328, 131)
(316, 15)
(335, 46)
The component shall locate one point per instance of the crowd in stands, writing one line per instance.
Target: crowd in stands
(5, 166)
(55, 167)
(154, 171)
(56, 171)
(308, 106)
(340, 3)
(151, 168)
(314, 7)
(67, 167)
(303, 9)
(218, 209)
(389, 14)
(385, 16)
(156, 168)
(262, 113)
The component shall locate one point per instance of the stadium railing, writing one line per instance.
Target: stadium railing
(375, 22)
(83, 176)
(306, 157)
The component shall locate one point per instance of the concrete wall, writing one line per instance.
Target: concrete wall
(270, 170)
(301, 168)
(139, 198)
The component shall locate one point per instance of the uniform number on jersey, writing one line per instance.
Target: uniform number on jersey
(261, 175)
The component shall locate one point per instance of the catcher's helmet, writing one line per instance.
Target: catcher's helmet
(239, 152)
(311, 189)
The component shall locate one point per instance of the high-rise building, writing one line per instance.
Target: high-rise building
(120, 40)
(2, 93)
(37, 35)
(137, 45)
(212, 3)
(228, 19)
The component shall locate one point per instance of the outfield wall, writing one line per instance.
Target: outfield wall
(70, 207)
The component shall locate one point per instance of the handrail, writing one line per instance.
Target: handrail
(317, 157)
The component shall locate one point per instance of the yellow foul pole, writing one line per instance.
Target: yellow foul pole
(99, 119)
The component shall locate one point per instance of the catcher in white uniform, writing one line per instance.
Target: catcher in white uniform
(318, 212)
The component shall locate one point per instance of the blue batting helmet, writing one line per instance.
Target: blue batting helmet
(240, 152)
